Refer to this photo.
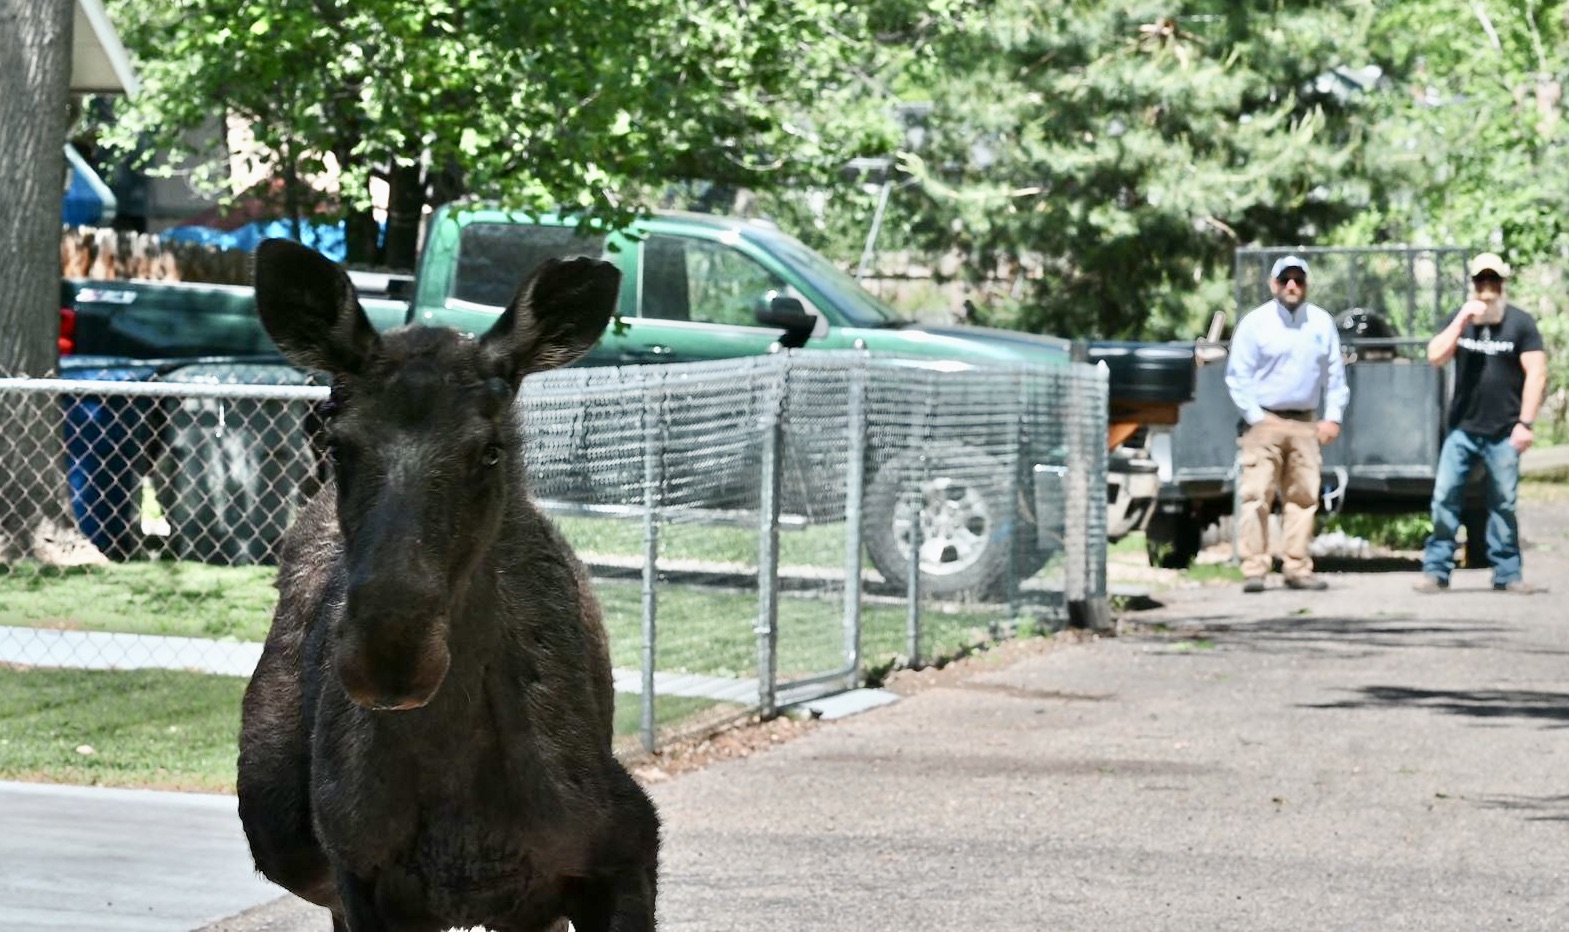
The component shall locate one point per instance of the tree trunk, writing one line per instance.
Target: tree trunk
(35, 75)
(359, 239)
(405, 209)
(360, 246)
(447, 183)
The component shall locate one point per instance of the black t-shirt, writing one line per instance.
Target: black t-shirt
(1488, 377)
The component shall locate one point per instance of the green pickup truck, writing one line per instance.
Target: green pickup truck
(694, 287)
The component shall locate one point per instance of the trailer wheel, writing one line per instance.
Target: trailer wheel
(1172, 541)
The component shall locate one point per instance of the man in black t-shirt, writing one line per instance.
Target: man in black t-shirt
(1500, 381)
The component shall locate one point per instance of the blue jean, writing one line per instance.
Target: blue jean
(1460, 454)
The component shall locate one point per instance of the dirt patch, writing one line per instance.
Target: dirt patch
(739, 739)
(988, 657)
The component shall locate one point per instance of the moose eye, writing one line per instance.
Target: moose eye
(492, 455)
(339, 454)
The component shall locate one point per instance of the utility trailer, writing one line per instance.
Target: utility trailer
(1387, 302)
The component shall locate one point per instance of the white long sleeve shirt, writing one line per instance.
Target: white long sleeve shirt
(1287, 361)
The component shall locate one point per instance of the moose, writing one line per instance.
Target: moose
(426, 741)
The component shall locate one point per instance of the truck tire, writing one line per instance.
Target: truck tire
(1171, 541)
(233, 493)
(237, 468)
(966, 519)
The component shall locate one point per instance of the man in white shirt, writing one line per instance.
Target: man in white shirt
(1286, 376)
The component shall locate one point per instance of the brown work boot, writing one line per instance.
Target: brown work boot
(1253, 584)
(1308, 581)
(1430, 584)
(1518, 587)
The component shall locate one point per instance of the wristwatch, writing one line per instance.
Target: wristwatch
(1525, 424)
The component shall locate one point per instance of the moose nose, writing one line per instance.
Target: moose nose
(381, 682)
(391, 645)
(391, 703)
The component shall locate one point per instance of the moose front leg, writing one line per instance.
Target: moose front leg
(363, 913)
(620, 896)
(623, 903)
(358, 898)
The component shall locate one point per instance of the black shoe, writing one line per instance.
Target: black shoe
(1253, 584)
(1309, 582)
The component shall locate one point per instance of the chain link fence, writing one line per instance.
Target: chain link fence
(761, 531)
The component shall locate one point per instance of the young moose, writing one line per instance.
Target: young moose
(426, 740)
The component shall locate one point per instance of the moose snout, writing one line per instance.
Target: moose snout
(391, 647)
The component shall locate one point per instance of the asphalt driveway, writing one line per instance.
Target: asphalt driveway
(1362, 758)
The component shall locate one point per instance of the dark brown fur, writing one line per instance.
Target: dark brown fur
(426, 740)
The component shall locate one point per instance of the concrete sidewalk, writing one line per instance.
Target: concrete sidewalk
(1362, 758)
(106, 860)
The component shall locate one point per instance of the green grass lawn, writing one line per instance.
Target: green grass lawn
(668, 711)
(174, 729)
(817, 545)
(701, 629)
(187, 599)
(1133, 543)
(163, 728)
(150, 728)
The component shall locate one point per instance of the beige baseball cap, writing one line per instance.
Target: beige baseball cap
(1489, 262)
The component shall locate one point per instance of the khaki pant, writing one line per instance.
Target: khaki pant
(1278, 457)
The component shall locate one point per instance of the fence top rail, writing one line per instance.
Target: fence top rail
(166, 389)
(673, 377)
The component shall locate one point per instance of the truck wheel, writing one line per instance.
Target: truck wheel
(234, 489)
(1172, 541)
(965, 515)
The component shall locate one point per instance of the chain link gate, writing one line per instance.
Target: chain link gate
(751, 524)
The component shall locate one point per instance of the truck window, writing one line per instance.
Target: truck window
(692, 279)
(494, 257)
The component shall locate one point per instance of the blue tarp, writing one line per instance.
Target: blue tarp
(88, 201)
(325, 238)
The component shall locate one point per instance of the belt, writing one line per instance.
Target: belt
(1294, 415)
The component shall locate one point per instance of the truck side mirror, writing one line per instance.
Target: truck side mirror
(790, 315)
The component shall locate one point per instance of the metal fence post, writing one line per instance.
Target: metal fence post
(1075, 530)
(768, 541)
(912, 586)
(1016, 523)
(653, 479)
(854, 497)
(917, 500)
(1086, 607)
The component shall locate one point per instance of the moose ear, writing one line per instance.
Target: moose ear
(308, 306)
(557, 315)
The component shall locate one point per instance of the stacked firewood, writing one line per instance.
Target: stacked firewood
(89, 252)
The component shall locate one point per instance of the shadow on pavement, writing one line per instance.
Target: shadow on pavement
(1476, 703)
(1535, 808)
(1309, 633)
(1388, 564)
